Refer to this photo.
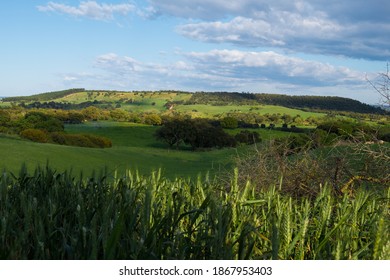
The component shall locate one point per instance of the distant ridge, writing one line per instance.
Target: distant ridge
(304, 102)
(324, 103)
(46, 96)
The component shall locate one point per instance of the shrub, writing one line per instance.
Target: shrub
(81, 140)
(152, 119)
(41, 121)
(229, 123)
(99, 141)
(35, 135)
(247, 137)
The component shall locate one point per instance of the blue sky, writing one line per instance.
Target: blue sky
(317, 47)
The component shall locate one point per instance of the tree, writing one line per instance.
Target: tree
(382, 85)
(248, 137)
(172, 132)
(229, 122)
(197, 133)
(38, 120)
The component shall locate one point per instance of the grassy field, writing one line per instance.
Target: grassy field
(133, 148)
(155, 101)
(209, 111)
(132, 101)
(114, 212)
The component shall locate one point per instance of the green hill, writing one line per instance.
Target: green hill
(160, 100)
(326, 103)
(46, 96)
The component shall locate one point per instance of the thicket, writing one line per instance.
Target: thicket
(50, 215)
(304, 163)
(197, 133)
(352, 129)
(44, 128)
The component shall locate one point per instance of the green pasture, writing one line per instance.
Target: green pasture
(132, 101)
(201, 110)
(133, 148)
(155, 101)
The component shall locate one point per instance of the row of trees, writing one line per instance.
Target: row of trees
(312, 102)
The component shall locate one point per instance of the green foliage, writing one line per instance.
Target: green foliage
(62, 138)
(198, 133)
(5, 118)
(248, 137)
(35, 135)
(81, 140)
(229, 122)
(43, 96)
(313, 102)
(346, 129)
(152, 119)
(50, 215)
(38, 120)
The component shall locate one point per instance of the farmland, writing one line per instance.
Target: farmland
(133, 148)
(303, 184)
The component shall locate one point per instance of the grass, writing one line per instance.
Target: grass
(141, 101)
(209, 111)
(133, 148)
(155, 101)
(51, 215)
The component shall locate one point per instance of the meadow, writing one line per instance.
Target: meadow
(134, 147)
(140, 199)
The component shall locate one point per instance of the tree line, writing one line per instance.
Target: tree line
(329, 103)
(46, 96)
(201, 134)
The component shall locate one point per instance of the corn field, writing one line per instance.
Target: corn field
(50, 215)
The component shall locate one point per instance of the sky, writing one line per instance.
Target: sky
(299, 47)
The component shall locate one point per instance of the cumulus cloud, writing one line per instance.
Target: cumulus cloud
(292, 32)
(228, 69)
(89, 9)
(206, 9)
(351, 28)
(272, 66)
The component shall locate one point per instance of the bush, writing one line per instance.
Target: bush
(35, 135)
(152, 119)
(41, 121)
(81, 140)
(247, 137)
(229, 123)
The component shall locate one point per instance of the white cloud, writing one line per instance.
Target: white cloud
(90, 9)
(272, 66)
(350, 28)
(227, 69)
(311, 34)
(208, 9)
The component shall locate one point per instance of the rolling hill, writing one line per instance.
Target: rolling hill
(76, 98)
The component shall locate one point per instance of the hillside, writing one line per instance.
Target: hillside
(46, 96)
(160, 100)
(326, 103)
